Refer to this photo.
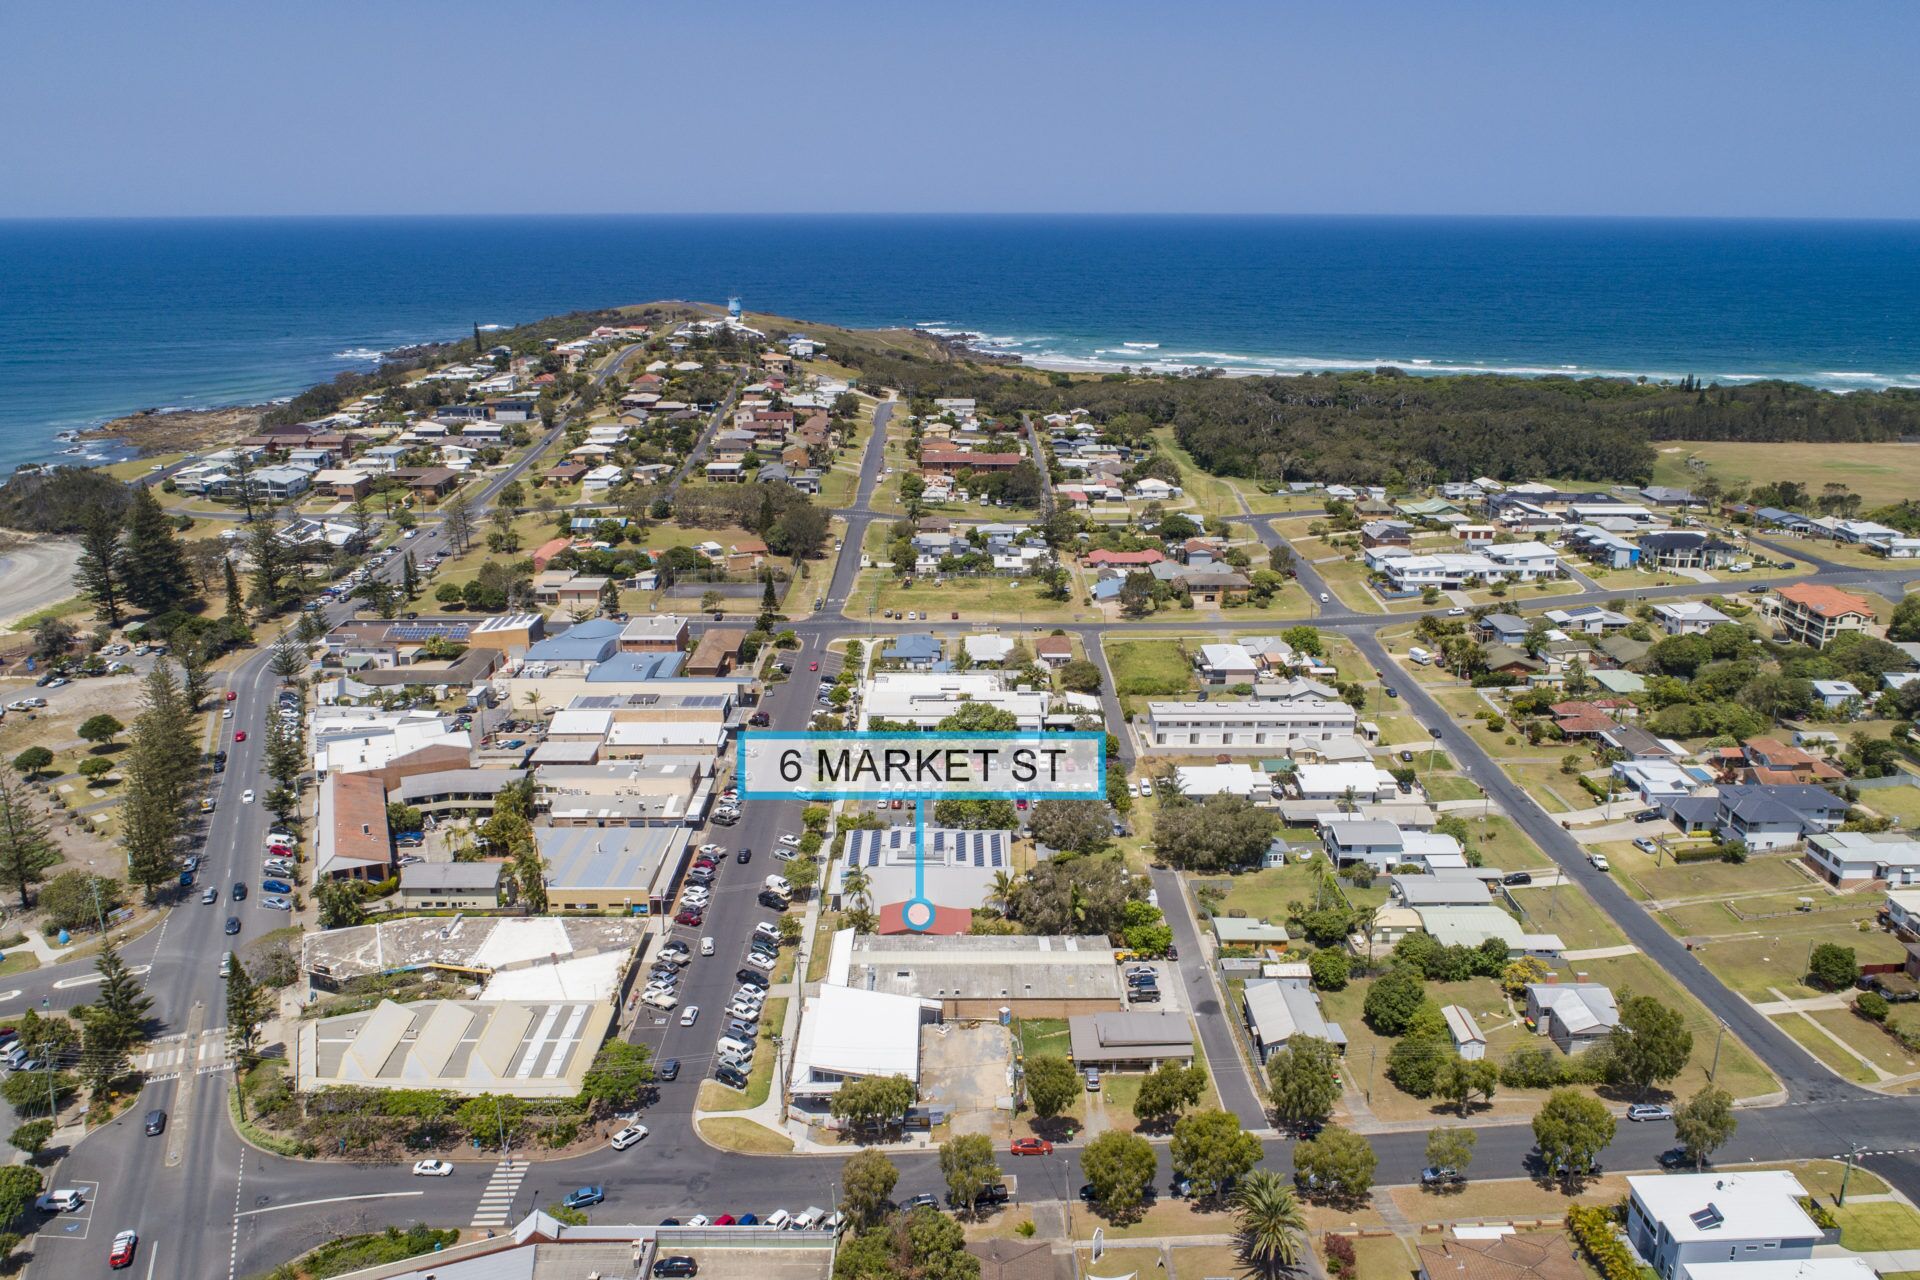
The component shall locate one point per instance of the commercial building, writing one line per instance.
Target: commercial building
(1052, 976)
(1247, 726)
(925, 698)
(654, 633)
(1130, 1041)
(853, 1033)
(957, 870)
(351, 840)
(458, 886)
(630, 870)
(470, 1047)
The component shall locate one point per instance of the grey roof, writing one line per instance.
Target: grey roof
(451, 875)
(607, 857)
(1279, 1012)
(1347, 832)
(463, 781)
(1440, 890)
(1127, 1037)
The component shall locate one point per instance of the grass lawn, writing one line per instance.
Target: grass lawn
(1347, 580)
(1445, 786)
(1145, 669)
(1206, 494)
(1502, 844)
(1822, 1177)
(1879, 1048)
(1502, 1198)
(1044, 1036)
(1397, 728)
(1566, 910)
(1879, 473)
(1202, 1261)
(1553, 790)
(1895, 802)
(1824, 1050)
(1778, 957)
(975, 599)
(735, 1134)
(1264, 894)
(18, 962)
(1669, 879)
(1878, 1227)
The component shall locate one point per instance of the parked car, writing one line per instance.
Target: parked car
(752, 977)
(1030, 1147)
(628, 1136)
(1644, 845)
(277, 903)
(432, 1169)
(1517, 877)
(678, 1264)
(1440, 1176)
(1649, 1111)
(276, 886)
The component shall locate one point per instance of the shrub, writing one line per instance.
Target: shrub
(1821, 1215)
(1592, 1229)
(1872, 1006)
(1341, 1260)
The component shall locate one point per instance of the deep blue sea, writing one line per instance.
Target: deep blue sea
(99, 318)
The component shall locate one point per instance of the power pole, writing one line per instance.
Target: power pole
(1853, 1149)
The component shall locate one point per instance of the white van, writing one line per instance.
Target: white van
(1419, 655)
(810, 1219)
(779, 885)
(728, 1044)
(777, 1219)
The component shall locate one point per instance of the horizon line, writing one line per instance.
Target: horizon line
(1113, 215)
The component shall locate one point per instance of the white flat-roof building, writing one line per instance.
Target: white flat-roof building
(1678, 1220)
(1259, 725)
(925, 698)
(1198, 780)
(469, 1047)
(1361, 781)
(851, 1034)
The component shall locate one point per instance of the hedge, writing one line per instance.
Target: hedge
(1592, 1228)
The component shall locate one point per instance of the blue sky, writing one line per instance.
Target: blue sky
(1695, 108)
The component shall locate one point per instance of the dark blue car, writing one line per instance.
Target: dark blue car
(276, 886)
(584, 1196)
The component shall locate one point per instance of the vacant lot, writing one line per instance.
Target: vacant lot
(974, 599)
(1879, 473)
(1144, 669)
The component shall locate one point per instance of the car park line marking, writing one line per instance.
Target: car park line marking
(308, 1204)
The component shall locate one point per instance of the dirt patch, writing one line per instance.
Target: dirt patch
(173, 431)
(964, 1068)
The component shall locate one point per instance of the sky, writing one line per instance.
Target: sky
(1701, 108)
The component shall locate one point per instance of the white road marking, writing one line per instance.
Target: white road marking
(88, 979)
(9, 995)
(307, 1204)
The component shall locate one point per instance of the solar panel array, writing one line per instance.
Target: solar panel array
(416, 631)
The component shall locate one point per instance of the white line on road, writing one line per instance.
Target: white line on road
(9, 995)
(88, 979)
(307, 1204)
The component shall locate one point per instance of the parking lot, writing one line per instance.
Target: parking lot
(1172, 995)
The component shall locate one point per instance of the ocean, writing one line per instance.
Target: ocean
(101, 318)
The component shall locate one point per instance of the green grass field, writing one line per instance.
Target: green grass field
(1144, 669)
(1879, 473)
(1878, 1227)
(975, 599)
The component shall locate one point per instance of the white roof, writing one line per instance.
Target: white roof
(988, 648)
(1754, 1205)
(1461, 1026)
(578, 721)
(1847, 1267)
(1691, 611)
(848, 1031)
(596, 977)
(1364, 777)
(1230, 656)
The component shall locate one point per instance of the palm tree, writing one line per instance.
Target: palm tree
(1002, 891)
(1268, 1225)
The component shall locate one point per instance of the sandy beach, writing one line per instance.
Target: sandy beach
(35, 573)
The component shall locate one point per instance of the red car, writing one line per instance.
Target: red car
(690, 918)
(232, 694)
(813, 666)
(239, 735)
(123, 1247)
(1031, 1147)
(726, 1220)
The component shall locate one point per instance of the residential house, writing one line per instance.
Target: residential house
(1753, 1217)
(1776, 817)
(1386, 533)
(1605, 548)
(1574, 1015)
(1275, 1012)
(1262, 724)
(1055, 651)
(1688, 617)
(917, 651)
(1813, 613)
(1503, 628)
(1588, 619)
(428, 483)
(1852, 858)
(1686, 549)
(1222, 664)
(1836, 694)
(951, 462)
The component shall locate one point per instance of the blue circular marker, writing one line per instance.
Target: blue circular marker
(918, 913)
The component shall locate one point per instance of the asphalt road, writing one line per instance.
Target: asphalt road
(207, 1206)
